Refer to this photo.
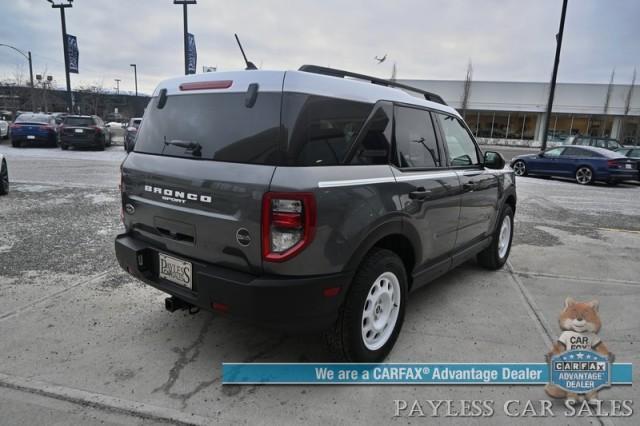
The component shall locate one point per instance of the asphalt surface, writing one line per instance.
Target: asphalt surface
(83, 343)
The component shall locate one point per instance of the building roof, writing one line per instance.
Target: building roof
(573, 98)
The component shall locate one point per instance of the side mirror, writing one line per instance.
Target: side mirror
(494, 160)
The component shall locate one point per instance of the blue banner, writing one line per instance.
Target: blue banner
(410, 374)
(72, 53)
(192, 54)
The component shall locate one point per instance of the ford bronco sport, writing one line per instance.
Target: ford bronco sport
(315, 199)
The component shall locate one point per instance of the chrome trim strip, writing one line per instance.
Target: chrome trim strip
(354, 182)
(434, 175)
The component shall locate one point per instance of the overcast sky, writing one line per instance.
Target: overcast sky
(428, 39)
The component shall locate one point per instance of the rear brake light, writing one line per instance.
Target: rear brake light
(15, 126)
(204, 85)
(612, 164)
(288, 224)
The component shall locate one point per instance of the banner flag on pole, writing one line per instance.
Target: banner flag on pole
(192, 54)
(72, 53)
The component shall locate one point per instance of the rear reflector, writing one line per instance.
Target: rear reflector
(331, 291)
(204, 85)
(220, 307)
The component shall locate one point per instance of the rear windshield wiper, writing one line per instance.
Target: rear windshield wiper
(194, 147)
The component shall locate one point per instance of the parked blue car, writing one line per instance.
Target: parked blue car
(34, 128)
(585, 164)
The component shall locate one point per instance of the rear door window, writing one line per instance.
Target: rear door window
(415, 139)
(575, 152)
(213, 127)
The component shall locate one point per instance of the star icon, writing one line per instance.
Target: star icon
(588, 356)
(571, 356)
(580, 355)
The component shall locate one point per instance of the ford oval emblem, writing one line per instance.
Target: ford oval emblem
(129, 208)
(243, 237)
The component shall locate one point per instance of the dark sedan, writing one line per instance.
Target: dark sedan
(34, 128)
(84, 131)
(585, 164)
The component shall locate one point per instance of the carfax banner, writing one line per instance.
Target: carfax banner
(411, 374)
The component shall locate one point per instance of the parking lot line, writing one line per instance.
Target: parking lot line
(533, 310)
(22, 308)
(100, 401)
(573, 278)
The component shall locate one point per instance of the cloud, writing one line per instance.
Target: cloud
(506, 40)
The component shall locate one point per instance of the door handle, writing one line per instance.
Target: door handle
(420, 194)
(469, 186)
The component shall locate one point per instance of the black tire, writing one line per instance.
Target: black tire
(109, 141)
(490, 257)
(102, 144)
(520, 168)
(345, 339)
(64, 147)
(4, 178)
(584, 175)
(15, 144)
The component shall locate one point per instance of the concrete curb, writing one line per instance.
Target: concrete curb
(104, 402)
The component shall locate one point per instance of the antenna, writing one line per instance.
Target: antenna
(250, 65)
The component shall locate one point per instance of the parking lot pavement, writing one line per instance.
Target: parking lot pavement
(80, 336)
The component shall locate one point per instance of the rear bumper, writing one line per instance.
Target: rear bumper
(622, 174)
(85, 142)
(40, 138)
(284, 303)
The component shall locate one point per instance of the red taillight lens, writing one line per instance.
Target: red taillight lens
(288, 224)
(15, 126)
(97, 129)
(612, 164)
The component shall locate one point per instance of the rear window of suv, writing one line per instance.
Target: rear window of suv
(220, 124)
(78, 121)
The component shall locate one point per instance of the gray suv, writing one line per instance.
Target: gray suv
(312, 200)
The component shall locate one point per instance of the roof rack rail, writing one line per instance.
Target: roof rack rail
(316, 69)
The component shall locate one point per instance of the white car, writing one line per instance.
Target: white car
(4, 129)
(4, 176)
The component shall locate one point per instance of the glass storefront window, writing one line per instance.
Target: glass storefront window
(630, 131)
(485, 124)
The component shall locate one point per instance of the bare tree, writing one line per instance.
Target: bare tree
(627, 103)
(607, 99)
(466, 93)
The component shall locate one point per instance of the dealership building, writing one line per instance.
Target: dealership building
(512, 112)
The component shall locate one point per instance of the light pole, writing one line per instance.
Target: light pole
(184, 4)
(117, 80)
(28, 57)
(65, 47)
(552, 90)
(135, 77)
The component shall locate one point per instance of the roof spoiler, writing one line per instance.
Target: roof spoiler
(316, 69)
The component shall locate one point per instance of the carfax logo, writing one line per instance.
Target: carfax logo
(580, 372)
(579, 364)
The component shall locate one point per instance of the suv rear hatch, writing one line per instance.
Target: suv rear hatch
(204, 156)
(78, 128)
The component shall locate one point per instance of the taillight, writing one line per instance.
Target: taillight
(288, 224)
(612, 164)
(15, 126)
(97, 129)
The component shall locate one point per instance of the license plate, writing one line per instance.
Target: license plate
(31, 137)
(628, 166)
(175, 270)
(79, 131)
